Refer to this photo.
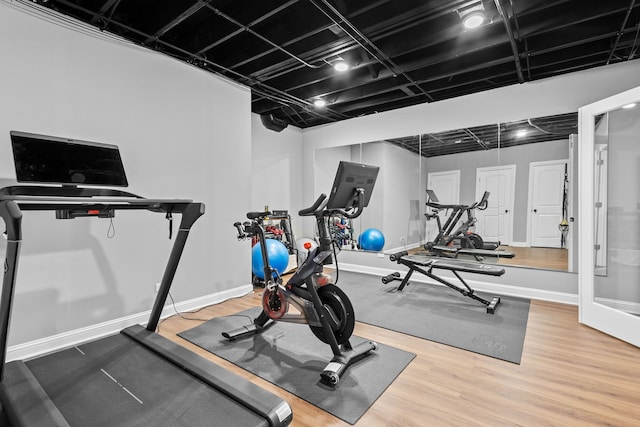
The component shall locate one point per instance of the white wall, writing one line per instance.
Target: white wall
(183, 133)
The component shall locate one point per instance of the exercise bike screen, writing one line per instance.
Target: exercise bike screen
(54, 160)
(349, 177)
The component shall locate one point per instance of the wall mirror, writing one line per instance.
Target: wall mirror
(527, 166)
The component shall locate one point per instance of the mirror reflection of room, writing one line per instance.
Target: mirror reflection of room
(526, 167)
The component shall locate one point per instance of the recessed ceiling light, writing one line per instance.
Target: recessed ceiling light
(628, 106)
(341, 65)
(473, 19)
(319, 103)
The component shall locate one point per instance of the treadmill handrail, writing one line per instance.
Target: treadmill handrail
(63, 191)
(12, 205)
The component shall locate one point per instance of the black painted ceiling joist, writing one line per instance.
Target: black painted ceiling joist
(402, 53)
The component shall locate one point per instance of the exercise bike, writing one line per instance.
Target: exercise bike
(321, 304)
(457, 235)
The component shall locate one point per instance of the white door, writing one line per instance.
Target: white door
(495, 224)
(446, 186)
(546, 198)
(609, 276)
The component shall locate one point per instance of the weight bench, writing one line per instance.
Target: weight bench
(426, 265)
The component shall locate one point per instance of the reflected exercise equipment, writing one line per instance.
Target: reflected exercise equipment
(457, 238)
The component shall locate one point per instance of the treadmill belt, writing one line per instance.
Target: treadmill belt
(115, 381)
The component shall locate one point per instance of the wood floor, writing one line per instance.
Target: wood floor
(548, 258)
(570, 375)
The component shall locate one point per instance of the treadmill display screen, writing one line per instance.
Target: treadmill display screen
(54, 160)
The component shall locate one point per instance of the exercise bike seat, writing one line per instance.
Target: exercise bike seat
(256, 215)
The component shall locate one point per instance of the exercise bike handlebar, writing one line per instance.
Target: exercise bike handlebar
(241, 232)
(321, 202)
(439, 206)
(483, 203)
(318, 205)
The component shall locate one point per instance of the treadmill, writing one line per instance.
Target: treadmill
(135, 377)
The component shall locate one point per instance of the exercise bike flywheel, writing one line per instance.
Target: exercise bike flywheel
(336, 302)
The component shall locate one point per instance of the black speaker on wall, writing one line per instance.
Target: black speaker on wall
(273, 123)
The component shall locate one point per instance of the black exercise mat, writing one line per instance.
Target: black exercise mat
(291, 357)
(438, 313)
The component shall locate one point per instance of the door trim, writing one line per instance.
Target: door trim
(611, 321)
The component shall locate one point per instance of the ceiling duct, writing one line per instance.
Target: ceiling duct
(273, 123)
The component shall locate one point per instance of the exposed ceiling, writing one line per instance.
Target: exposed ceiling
(401, 52)
(487, 137)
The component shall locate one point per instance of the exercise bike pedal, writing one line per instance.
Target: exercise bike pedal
(251, 328)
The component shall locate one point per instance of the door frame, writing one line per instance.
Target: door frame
(611, 321)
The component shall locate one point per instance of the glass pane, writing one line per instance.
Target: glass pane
(617, 209)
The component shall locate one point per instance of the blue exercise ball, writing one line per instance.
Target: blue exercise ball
(278, 257)
(371, 239)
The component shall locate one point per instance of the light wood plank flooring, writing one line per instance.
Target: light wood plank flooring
(570, 375)
(548, 258)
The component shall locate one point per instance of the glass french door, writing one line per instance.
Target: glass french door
(609, 216)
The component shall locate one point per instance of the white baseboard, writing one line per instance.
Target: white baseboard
(78, 336)
(519, 244)
(509, 290)
(403, 248)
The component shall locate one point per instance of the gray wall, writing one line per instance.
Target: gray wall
(183, 133)
(403, 202)
(276, 168)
